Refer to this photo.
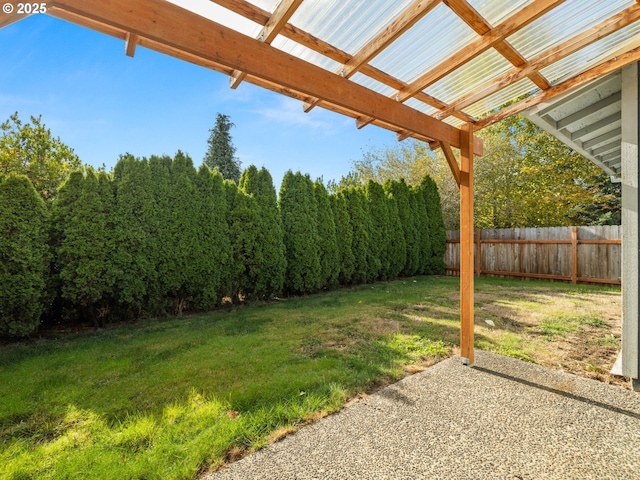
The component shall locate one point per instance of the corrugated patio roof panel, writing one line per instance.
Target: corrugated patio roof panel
(467, 78)
(563, 23)
(347, 24)
(502, 97)
(435, 38)
(495, 11)
(593, 54)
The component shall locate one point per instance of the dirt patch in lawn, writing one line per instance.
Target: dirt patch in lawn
(577, 331)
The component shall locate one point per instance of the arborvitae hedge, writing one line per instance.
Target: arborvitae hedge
(84, 248)
(244, 225)
(378, 231)
(270, 274)
(401, 192)
(422, 227)
(396, 247)
(213, 277)
(301, 239)
(24, 256)
(359, 216)
(156, 236)
(328, 246)
(437, 232)
(344, 238)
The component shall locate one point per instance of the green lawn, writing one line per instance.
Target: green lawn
(176, 397)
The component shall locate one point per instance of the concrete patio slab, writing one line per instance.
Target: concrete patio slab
(500, 419)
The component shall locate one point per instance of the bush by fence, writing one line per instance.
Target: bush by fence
(575, 254)
(159, 236)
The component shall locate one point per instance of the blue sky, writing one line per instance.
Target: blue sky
(102, 104)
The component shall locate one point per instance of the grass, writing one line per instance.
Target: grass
(174, 398)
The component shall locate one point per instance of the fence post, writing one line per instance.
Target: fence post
(478, 252)
(574, 254)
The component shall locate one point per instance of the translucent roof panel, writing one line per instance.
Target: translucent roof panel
(470, 76)
(593, 54)
(495, 11)
(347, 24)
(456, 122)
(421, 107)
(268, 5)
(500, 98)
(563, 23)
(372, 84)
(300, 51)
(432, 40)
(220, 15)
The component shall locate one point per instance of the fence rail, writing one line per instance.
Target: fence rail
(574, 254)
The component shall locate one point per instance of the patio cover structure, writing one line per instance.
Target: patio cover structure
(434, 70)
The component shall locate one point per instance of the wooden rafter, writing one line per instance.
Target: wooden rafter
(478, 23)
(9, 18)
(180, 29)
(131, 42)
(583, 78)
(515, 22)
(603, 29)
(283, 12)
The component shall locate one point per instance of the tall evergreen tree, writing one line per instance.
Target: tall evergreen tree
(359, 213)
(221, 151)
(161, 232)
(270, 273)
(135, 210)
(24, 256)
(244, 226)
(328, 246)
(419, 211)
(83, 248)
(378, 231)
(401, 193)
(437, 232)
(396, 246)
(344, 237)
(300, 222)
(212, 278)
(182, 233)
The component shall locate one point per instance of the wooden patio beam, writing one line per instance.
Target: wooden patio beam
(13, 17)
(583, 78)
(277, 21)
(603, 29)
(180, 29)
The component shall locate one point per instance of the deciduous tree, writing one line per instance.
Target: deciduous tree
(30, 149)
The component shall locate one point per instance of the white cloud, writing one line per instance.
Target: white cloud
(289, 112)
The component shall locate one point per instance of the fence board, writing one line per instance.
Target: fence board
(544, 253)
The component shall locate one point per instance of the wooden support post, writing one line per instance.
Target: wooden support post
(466, 245)
(574, 254)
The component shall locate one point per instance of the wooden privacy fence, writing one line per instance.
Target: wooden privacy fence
(574, 254)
